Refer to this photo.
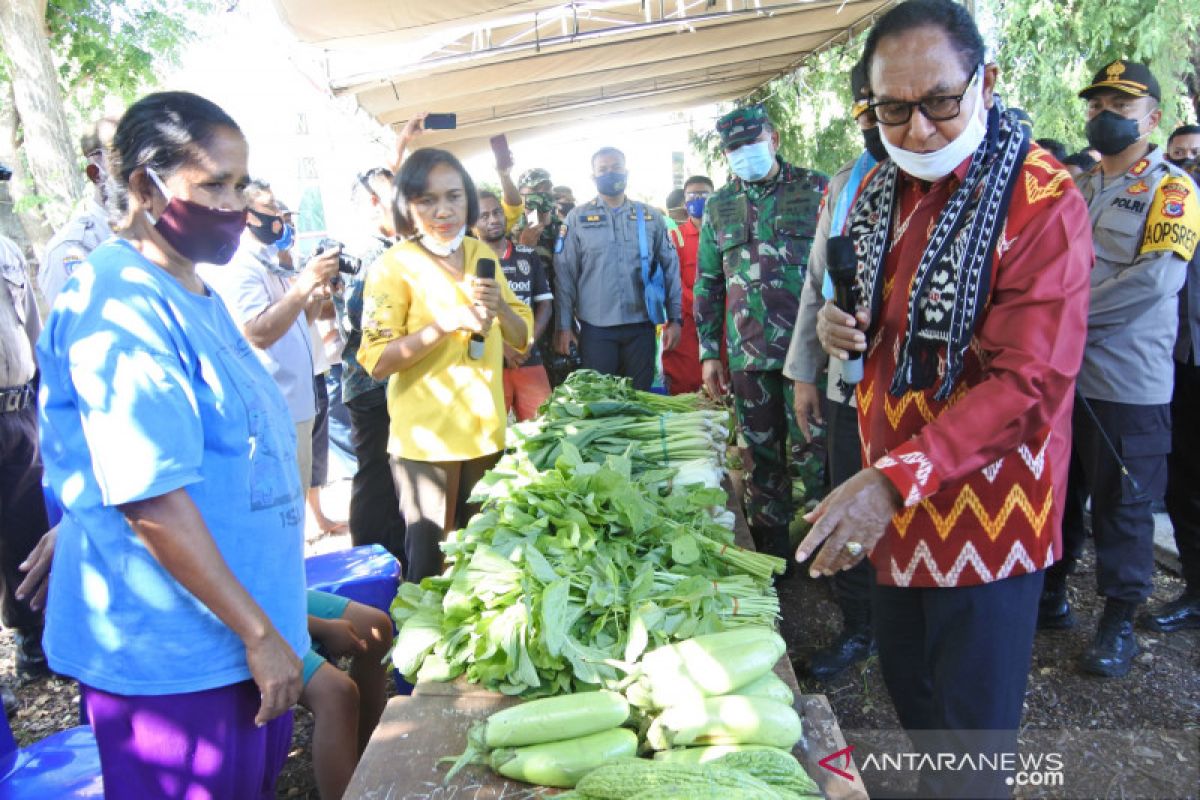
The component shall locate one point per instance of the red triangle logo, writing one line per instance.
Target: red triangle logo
(844, 753)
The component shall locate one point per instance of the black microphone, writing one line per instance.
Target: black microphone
(484, 268)
(841, 264)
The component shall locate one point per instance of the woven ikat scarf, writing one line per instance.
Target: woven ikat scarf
(954, 276)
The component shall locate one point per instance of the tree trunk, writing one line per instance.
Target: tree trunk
(28, 229)
(47, 143)
(1192, 81)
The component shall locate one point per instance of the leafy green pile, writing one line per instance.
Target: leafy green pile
(564, 572)
(603, 415)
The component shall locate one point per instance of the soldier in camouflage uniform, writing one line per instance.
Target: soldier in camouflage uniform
(754, 244)
(537, 190)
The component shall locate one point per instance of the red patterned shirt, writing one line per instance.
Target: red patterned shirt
(983, 474)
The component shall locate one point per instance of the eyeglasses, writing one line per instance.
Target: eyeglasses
(938, 108)
(364, 178)
(696, 195)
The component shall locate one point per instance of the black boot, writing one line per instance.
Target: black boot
(29, 658)
(852, 645)
(1179, 614)
(1112, 652)
(1054, 610)
(775, 540)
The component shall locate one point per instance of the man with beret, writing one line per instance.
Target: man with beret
(806, 360)
(754, 245)
(1145, 223)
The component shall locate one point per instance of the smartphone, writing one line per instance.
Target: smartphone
(441, 122)
(504, 157)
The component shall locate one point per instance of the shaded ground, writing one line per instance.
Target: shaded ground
(49, 705)
(1161, 694)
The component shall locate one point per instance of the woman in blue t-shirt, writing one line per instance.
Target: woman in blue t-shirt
(177, 597)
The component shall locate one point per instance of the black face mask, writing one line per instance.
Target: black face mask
(874, 143)
(1185, 164)
(1110, 133)
(564, 208)
(264, 226)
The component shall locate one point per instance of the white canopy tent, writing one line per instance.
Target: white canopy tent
(522, 66)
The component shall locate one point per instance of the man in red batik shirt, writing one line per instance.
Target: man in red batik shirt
(974, 252)
(681, 366)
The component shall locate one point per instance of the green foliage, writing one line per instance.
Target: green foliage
(114, 49)
(811, 110)
(1050, 49)
(1047, 50)
(31, 203)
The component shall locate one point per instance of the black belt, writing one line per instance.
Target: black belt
(17, 398)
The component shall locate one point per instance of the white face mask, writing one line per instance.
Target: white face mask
(443, 250)
(940, 163)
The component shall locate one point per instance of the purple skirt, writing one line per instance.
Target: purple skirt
(194, 746)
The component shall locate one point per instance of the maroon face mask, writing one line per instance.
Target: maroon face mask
(200, 234)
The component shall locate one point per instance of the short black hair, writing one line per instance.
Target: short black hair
(1054, 147)
(488, 194)
(1183, 130)
(255, 188)
(96, 137)
(699, 179)
(675, 199)
(607, 151)
(953, 18)
(1081, 160)
(362, 181)
(413, 180)
(162, 131)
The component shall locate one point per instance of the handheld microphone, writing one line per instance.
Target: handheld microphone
(842, 267)
(486, 268)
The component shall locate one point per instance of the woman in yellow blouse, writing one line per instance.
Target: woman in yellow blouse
(422, 303)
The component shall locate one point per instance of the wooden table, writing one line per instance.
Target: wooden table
(415, 733)
(401, 762)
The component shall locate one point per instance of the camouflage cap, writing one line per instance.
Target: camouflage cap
(532, 177)
(742, 126)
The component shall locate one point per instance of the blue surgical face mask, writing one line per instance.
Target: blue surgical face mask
(611, 184)
(752, 162)
(286, 239)
(695, 208)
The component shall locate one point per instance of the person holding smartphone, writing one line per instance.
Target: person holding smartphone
(424, 302)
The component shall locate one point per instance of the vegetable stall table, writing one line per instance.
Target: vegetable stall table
(402, 759)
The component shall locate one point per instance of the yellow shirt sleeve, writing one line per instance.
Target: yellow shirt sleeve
(512, 214)
(386, 300)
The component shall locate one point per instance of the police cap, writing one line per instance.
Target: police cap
(1129, 77)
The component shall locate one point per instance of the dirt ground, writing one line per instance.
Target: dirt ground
(1162, 694)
